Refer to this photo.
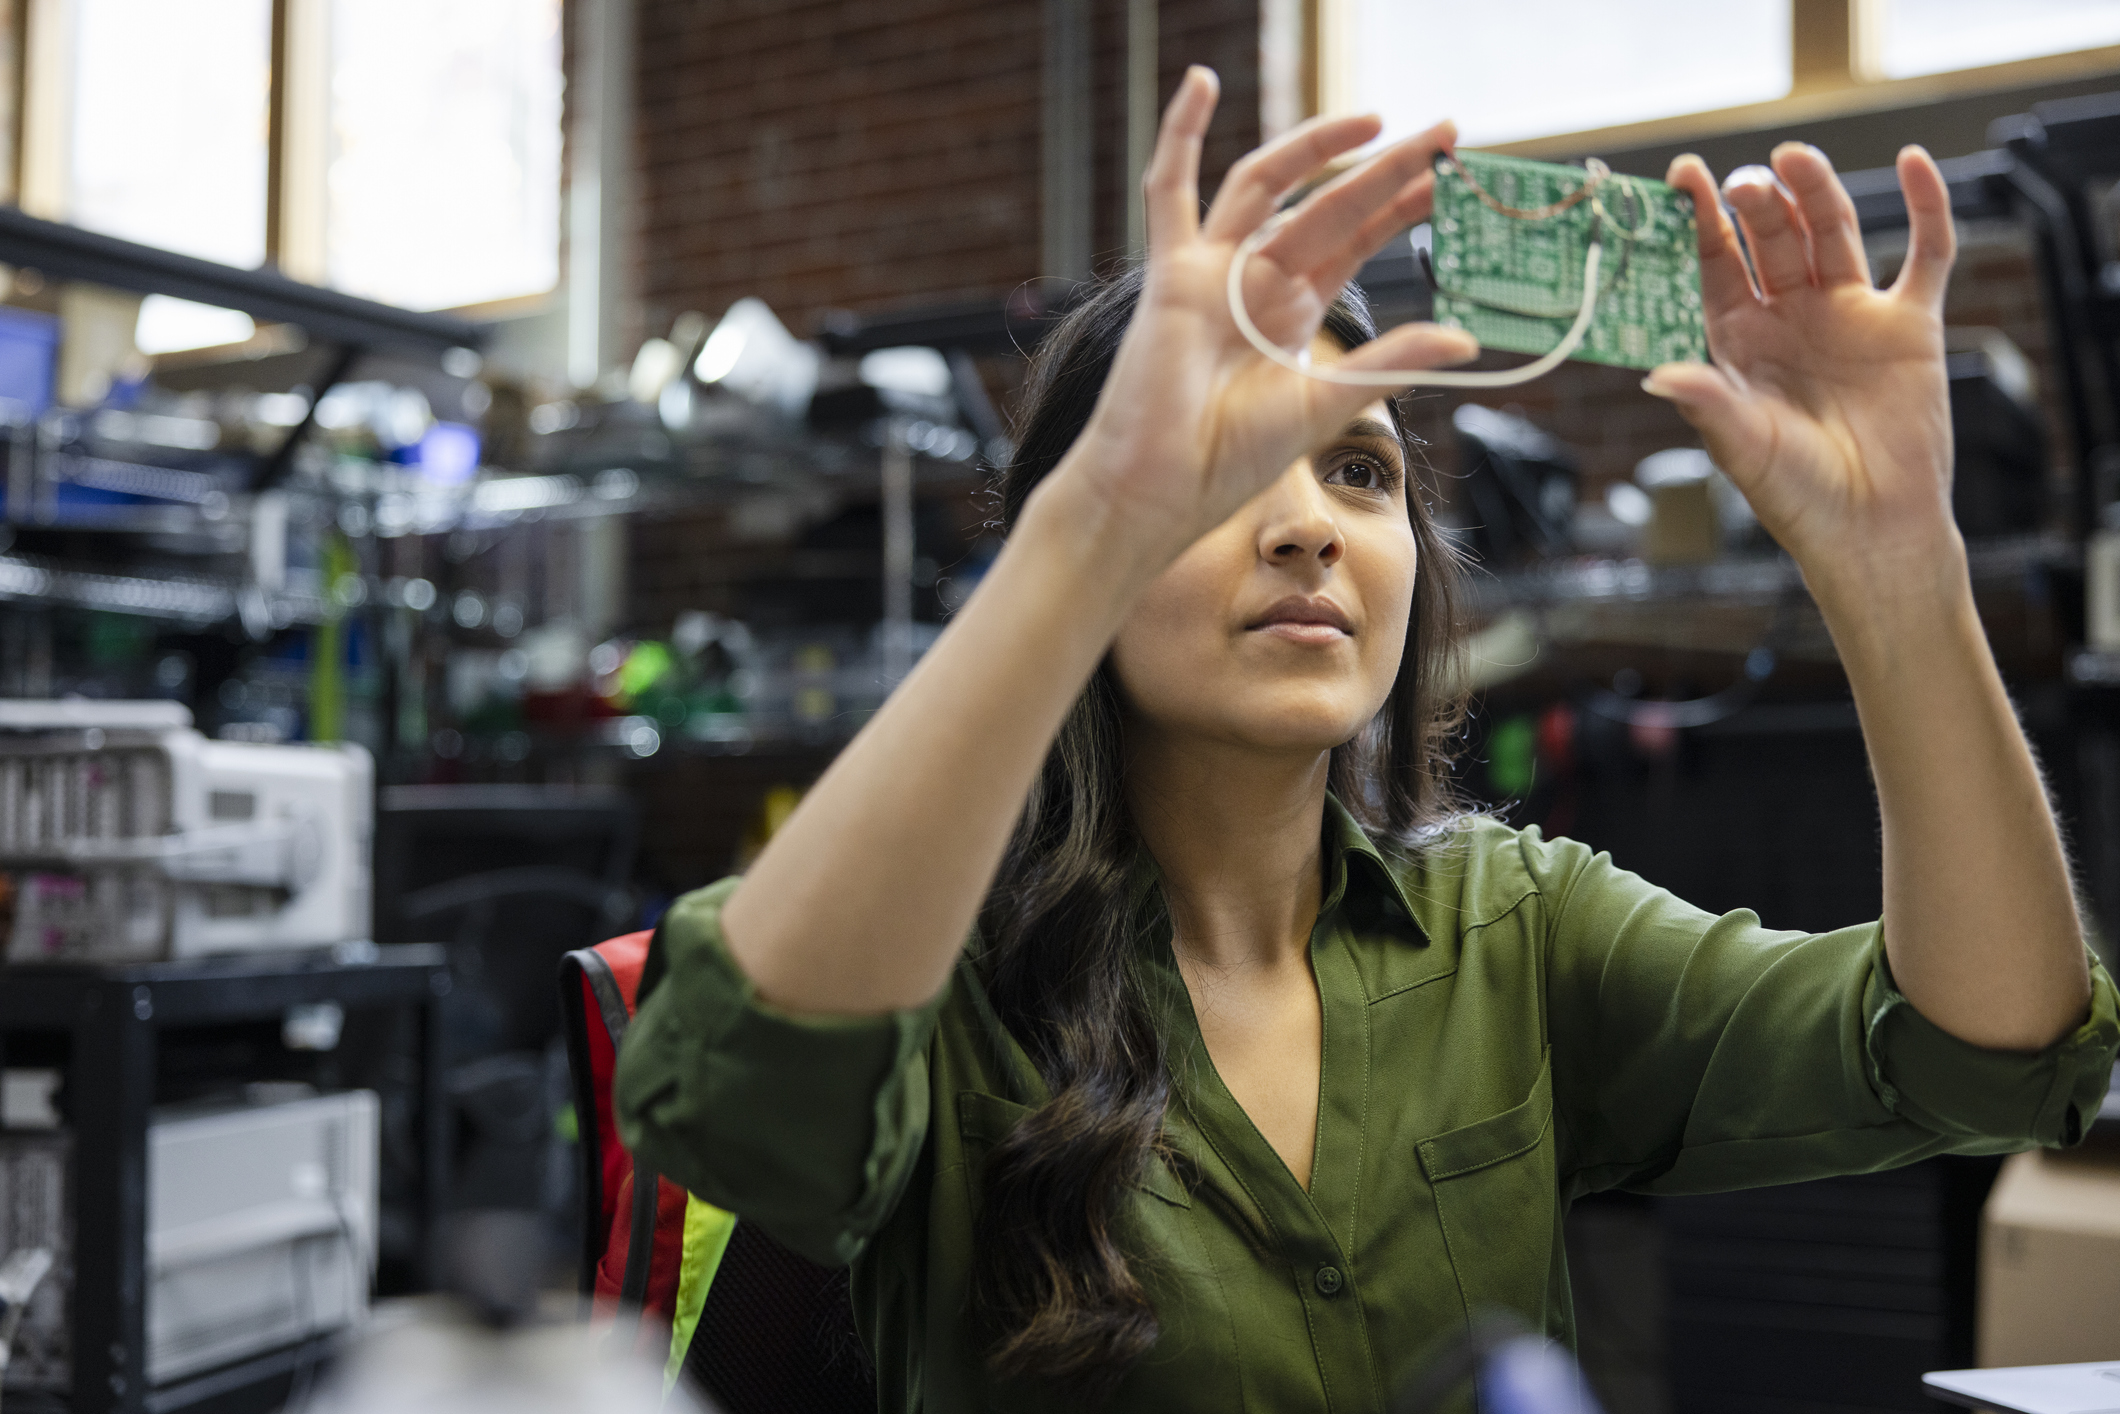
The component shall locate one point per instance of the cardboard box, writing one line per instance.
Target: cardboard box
(2050, 1260)
(1683, 526)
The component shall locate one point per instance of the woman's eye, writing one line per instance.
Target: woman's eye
(1361, 475)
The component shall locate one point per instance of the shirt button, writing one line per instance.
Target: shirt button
(1328, 1280)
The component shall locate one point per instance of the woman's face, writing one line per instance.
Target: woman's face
(1282, 628)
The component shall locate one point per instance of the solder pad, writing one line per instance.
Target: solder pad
(1516, 284)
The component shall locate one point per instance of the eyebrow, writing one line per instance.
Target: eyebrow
(1371, 428)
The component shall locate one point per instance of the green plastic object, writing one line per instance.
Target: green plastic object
(1512, 757)
(1516, 282)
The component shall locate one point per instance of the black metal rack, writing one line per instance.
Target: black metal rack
(113, 1017)
(355, 326)
(2065, 151)
(349, 329)
(65, 252)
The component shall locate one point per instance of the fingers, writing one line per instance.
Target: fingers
(1171, 185)
(1725, 283)
(1407, 346)
(1932, 239)
(1773, 231)
(1837, 256)
(1412, 346)
(1390, 190)
(1734, 426)
(1411, 204)
(1260, 177)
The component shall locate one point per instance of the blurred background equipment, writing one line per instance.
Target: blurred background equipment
(1999, 476)
(126, 835)
(20, 1275)
(261, 1227)
(509, 879)
(200, 1152)
(1519, 486)
(1690, 503)
(33, 1309)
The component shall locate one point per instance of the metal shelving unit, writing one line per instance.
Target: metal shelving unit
(199, 520)
(113, 1021)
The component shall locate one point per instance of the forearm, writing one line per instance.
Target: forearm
(862, 901)
(1980, 921)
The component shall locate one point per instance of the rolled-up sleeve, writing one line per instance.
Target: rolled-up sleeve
(2003, 1099)
(809, 1126)
(1694, 1052)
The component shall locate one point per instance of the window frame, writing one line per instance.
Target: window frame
(1834, 57)
(34, 138)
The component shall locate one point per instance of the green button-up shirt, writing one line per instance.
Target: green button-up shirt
(1509, 1022)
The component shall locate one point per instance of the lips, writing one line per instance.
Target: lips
(1303, 620)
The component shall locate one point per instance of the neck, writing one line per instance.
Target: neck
(1236, 834)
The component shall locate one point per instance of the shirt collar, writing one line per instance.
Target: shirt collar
(1356, 874)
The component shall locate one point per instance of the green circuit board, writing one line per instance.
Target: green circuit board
(1515, 283)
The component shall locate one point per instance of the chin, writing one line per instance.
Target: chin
(1289, 721)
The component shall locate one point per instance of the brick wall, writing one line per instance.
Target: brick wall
(1222, 34)
(829, 153)
(834, 153)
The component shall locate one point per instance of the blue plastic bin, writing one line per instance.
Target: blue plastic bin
(29, 343)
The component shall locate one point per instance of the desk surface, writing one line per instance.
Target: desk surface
(2092, 1388)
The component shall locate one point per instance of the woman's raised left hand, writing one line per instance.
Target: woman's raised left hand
(1827, 402)
(1828, 406)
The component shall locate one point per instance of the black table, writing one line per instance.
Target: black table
(113, 1016)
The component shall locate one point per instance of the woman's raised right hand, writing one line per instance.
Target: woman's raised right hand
(1194, 421)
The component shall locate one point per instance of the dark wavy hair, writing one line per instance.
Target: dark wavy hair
(1052, 1284)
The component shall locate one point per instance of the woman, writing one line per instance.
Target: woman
(1259, 1072)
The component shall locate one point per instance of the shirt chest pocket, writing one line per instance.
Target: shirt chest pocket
(1497, 1196)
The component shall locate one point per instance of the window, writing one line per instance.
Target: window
(1938, 36)
(168, 119)
(402, 150)
(1536, 67)
(442, 183)
(1553, 75)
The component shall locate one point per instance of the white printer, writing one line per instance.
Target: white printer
(261, 1231)
(261, 1227)
(125, 835)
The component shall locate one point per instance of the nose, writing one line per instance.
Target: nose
(1297, 524)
